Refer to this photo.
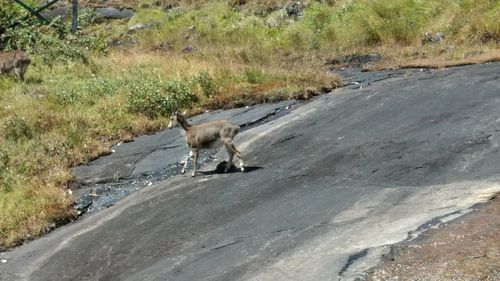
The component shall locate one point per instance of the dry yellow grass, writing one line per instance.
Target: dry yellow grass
(435, 56)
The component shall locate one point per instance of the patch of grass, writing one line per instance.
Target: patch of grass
(254, 76)
(206, 83)
(158, 98)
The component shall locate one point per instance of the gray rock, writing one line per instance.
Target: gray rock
(144, 155)
(142, 26)
(137, 27)
(355, 60)
(113, 13)
(333, 184)
(188, 49)
(432, 38)
(62, 12)
(438, 37)
(106, 13)
(294, 9)
(163, 46)
(123, 43)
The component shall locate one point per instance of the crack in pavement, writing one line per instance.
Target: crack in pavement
(240, 239)
(351, 259)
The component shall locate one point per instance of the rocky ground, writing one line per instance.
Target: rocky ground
(153, 158)
(467, 248)
(331, 186)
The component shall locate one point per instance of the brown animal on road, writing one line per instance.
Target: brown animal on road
(14, 62)
(207, 135)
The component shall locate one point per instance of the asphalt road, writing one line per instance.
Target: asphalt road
(330, 186)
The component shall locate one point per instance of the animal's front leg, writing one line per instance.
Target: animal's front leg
(195, 160)
(186, 162)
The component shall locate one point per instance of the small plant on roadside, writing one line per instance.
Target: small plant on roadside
(86, 92)
(65, 96)
(206, 83)
(154, 98)
(98, 87)
(5, 172)
(254, 76)
(16, 128)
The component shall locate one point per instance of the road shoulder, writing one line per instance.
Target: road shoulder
(466, 248)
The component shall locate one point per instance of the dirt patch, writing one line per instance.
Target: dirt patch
(465, 249)
(356, 60)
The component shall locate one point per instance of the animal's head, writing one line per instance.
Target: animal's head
(173, 120)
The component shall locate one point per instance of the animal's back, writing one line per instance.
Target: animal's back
(13, 59)
(211, 134)
(218, 125)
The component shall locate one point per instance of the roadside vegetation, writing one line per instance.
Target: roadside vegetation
(117, 79)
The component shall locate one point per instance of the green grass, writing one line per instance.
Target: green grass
(71, 111)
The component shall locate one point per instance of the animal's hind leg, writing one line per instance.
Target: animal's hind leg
(19, 73)
(230, 147)
(230, 153)
(240, 159)
(23, 71)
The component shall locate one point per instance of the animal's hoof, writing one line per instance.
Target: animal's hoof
(242, 168)
(193, 174)
(183, 171)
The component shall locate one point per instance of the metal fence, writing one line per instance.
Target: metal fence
(37, 12)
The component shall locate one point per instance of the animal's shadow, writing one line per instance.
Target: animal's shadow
(221, 166)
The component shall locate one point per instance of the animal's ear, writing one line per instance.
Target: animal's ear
(184, 112)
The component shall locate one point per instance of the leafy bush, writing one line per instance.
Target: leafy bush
(154, 98)
(98, 87)
(8, 13)
(206, 83)
(5, 173)
(66, 96)
(16, 128)
(53, 42)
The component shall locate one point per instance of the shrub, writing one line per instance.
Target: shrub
(16, 128)
(5, 173)
(154, 98)
(254, 76)
(98, 87)
(54, 42)
(206, 83)
(65, 96)
(8, 13)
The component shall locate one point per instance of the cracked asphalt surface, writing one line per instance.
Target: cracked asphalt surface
(331, 186)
